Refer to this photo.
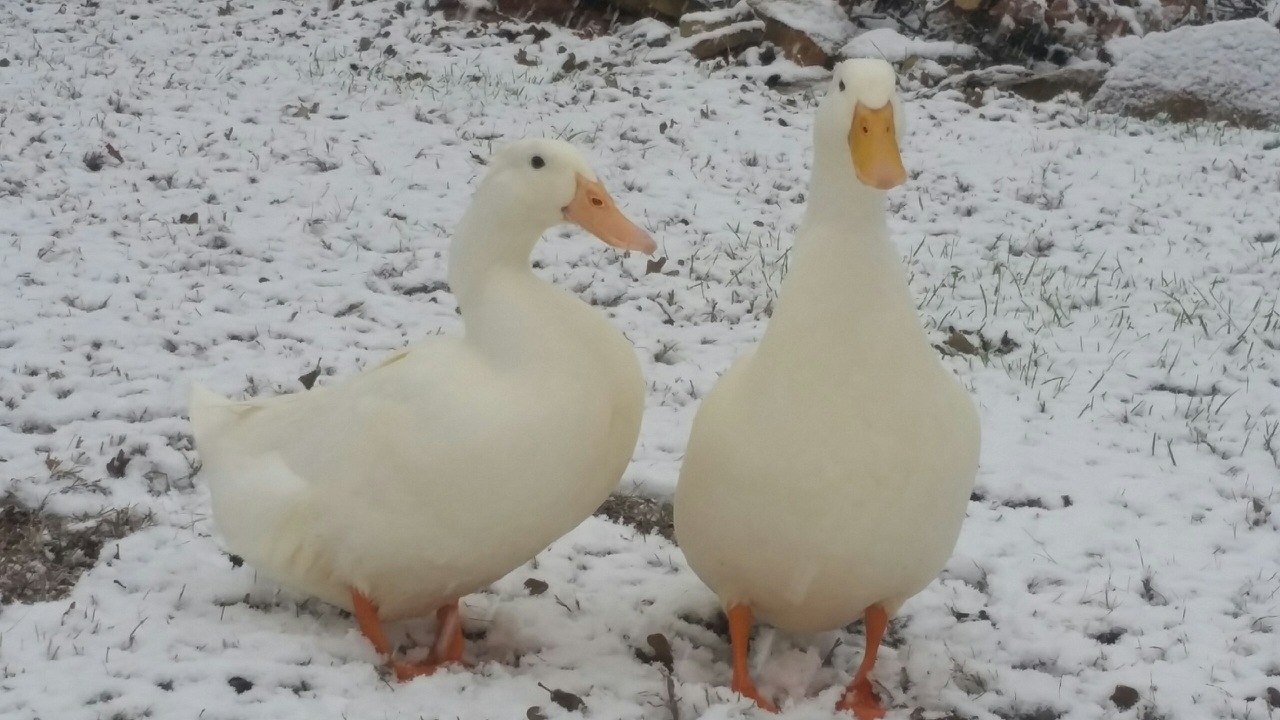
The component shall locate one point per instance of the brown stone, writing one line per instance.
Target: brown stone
(795, 45)
(726, 39)
(826, 28)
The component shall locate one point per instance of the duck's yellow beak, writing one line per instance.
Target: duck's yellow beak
(873, 143)
(594, 211)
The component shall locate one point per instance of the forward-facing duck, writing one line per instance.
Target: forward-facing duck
(828, 471)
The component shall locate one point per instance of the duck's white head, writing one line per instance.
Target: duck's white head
(862, 110)
(547, 182)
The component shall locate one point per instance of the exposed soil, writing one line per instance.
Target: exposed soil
(645, 514)
(42, 555)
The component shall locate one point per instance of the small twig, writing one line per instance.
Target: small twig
(672, 705)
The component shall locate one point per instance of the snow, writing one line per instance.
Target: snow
(1229, 67)
(1124, 528)
(890, 45)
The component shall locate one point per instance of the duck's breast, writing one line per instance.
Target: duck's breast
(814, 502)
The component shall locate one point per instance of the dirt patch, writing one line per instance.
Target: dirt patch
(645, 514)
(42, 555)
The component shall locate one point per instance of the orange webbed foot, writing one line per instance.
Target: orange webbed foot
(447, 649)
(408, 671)
(750, 692)
(861, 700)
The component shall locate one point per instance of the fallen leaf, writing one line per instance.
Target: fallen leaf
(1125, 697)
(117, 465)
(535, 586)
(565, 699)
(654, 266)
(309, 379)
(961, 344)
(662, 651)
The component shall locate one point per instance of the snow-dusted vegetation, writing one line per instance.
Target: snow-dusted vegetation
(258, 196)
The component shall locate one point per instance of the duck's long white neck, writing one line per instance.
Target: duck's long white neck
(489, 271)
(846, 291)
(488, 243)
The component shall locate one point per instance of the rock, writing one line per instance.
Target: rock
(1058, 15)
(795, 45)
(891, 46)
(1174, 12)
(808, 32)
(709, 44)
(1224, 72)
(647, 31)
(699, 22)
(1084, 79)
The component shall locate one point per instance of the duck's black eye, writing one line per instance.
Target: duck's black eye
(537, 162)
(841, 86)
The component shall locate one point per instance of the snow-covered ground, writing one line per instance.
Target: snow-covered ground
(237, 192)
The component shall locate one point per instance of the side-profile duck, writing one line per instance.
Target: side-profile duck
(828, 471)
(428, 477)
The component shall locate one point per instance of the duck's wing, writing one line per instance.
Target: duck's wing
(429, 405)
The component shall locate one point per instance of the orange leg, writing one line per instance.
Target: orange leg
(370, 625)
(449, 641)
(860, 698)
(367, 619)
(739, 638)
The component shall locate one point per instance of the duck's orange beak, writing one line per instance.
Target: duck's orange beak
(594, 211)
(873, 143)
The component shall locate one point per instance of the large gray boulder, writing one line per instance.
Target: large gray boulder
(1227, 71)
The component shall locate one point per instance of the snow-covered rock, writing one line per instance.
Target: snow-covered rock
(721, 40)
(1221, 72)
(698, 22)
(808, 32)
(894, 47)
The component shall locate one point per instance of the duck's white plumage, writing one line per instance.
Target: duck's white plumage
(450, 464)
(829, 470)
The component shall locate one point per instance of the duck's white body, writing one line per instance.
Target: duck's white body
(829, 470)
(449, 465)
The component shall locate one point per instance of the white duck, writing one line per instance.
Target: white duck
(455, 461)
(828, 472)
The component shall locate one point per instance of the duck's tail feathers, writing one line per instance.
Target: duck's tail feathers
(211, 414)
